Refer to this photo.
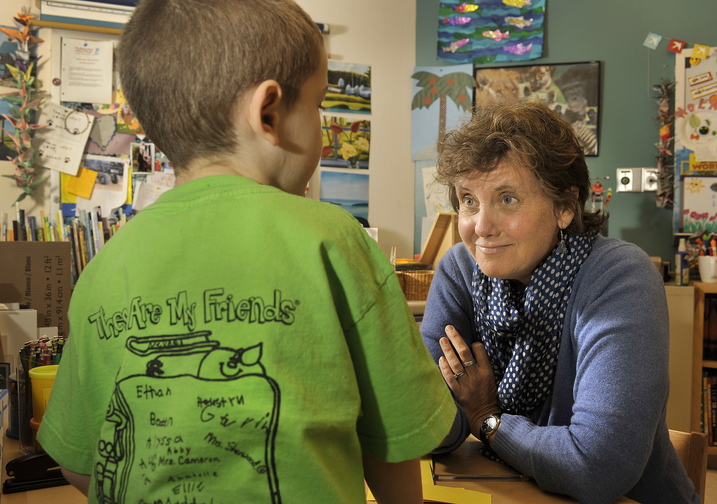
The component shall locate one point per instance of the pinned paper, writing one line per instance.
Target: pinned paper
(82, 184)
(676, 46)
(61, 143)
(700, 51)
(86, 71)
(652, 40)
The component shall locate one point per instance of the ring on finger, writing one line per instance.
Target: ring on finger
(468, 363)
(458, 375)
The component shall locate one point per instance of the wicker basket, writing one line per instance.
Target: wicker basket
(415, 283)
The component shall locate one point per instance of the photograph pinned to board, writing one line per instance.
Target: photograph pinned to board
(349, 88)
(111, 184)
(61, 143)
(346, 142)
(142, 157)
(442, 98)
(570, 89)
(490, 32)
(699, 204)
(347, 190)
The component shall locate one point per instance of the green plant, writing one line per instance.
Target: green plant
(24, 104)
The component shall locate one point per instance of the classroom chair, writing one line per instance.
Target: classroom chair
(691, 447)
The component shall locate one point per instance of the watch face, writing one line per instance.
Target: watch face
(490, 424)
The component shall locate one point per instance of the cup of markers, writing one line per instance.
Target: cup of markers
(707, 259)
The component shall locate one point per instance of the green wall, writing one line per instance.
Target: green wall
(612, 32)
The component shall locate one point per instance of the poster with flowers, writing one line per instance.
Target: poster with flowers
(490, 31)
(346, 143)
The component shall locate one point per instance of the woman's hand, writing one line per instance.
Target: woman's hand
(469, 375)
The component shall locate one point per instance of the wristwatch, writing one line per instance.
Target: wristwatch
(488, 428)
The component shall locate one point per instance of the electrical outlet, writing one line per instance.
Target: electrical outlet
(629, 180)
(650, 179)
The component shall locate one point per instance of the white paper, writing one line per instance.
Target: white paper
(86, 75)
(61, 143)
(152, 188)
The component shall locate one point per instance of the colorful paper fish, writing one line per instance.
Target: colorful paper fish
(458, 20)
(464, 7)
(516, 3)
(518, 21)
(496, 35)
(518, 48)
(455, 45)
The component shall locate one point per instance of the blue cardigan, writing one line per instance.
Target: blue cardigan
(602, 434)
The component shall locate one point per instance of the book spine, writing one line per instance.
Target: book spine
(78, 250)
(32, 225)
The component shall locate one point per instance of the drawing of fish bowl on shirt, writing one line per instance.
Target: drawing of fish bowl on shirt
(197, 411)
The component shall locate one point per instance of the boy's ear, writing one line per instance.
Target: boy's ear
(264, 105)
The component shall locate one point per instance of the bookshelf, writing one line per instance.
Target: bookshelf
(700, 363)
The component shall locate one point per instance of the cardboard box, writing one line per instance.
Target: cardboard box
(37, 274)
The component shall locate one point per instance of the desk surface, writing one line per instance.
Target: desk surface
(465, 460)
(468, 460)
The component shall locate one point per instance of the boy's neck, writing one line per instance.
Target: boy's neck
(211, 167)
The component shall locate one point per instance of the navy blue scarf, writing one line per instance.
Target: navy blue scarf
(522, 328)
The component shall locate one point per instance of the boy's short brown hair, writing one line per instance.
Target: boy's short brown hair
(184, 63)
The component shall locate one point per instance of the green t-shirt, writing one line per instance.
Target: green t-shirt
(234, 343)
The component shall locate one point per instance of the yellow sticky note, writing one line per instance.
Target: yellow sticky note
(65, 195)
(82, 184)
(700, 51)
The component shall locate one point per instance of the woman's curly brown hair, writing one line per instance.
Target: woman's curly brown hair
(533, 136)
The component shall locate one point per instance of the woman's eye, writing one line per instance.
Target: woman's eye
(467, 200)
(508, 200)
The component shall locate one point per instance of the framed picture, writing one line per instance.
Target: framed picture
(571, 89)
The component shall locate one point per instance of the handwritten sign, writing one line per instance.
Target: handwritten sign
(61, 143)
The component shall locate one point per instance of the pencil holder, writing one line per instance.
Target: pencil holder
(42, 378)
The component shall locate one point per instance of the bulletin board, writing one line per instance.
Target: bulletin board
(117, 157)
(695, 142)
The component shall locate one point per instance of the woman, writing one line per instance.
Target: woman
(552, 338)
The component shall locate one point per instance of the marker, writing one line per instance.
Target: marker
(702, 246)
(713, 246)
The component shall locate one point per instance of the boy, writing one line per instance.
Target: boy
(236, 342)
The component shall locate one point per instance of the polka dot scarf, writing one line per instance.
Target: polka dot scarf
(521, 330)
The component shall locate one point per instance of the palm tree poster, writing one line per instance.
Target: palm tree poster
(347, 190)
(349, 88)
(346, 142)
(490, 31)
(442, 96)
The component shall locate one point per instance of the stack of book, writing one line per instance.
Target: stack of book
(709, 406)
(87, 232)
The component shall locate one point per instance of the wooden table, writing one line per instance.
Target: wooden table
(468, 460)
